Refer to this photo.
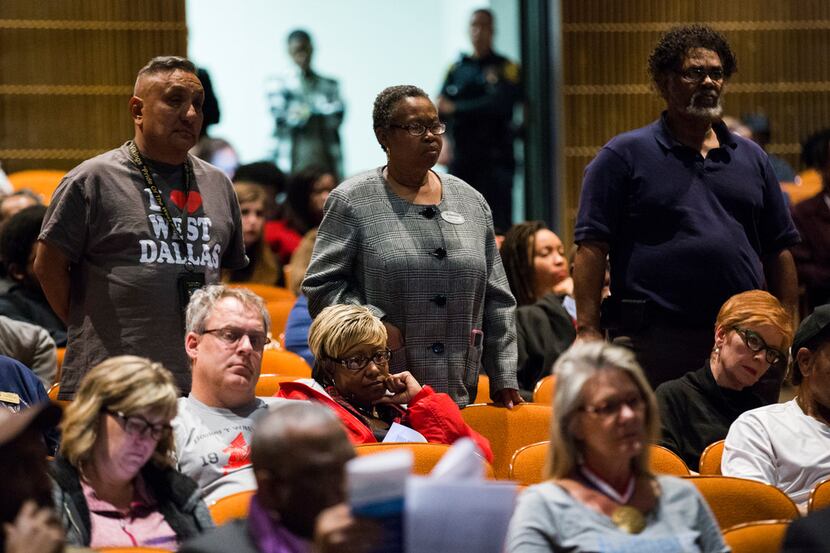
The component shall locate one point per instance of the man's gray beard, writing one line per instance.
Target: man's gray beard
(709, 114)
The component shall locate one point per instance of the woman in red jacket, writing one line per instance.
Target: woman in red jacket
(351, 376)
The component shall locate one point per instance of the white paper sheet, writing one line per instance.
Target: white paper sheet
(400, 433)
(457, 517)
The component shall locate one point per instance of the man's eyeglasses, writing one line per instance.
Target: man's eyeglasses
(138, 426)
(231, 336)
(418, 129)
(359, 362)
(755, 343)
(699, 74)
(612, 408)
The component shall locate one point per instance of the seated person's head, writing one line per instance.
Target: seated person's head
(23, 461)
(534, 260)
(268, 176)
(349, 345)
(16, 202)
(811, 363)
(120, 419)
(603, 408)
(252, 207)
(299, 451)
(227, 330)
(308, 190)
(17, 245)
(753, 331)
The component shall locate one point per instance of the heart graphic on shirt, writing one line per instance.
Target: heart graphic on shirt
(194, 200)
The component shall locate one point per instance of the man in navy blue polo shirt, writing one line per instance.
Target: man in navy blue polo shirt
(689, 214)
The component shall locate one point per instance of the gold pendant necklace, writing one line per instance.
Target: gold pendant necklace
(629, 519)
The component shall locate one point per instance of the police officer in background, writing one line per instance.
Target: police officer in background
(477, 101)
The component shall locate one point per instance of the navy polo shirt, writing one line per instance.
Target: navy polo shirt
(684, 231)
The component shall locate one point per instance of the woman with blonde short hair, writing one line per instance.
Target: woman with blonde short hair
(601, 494)
(753, 333)
(351, 376)
(114, 481)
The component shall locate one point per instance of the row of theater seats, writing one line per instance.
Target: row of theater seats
(754, 516)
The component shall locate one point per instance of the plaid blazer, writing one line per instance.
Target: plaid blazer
(434, 272)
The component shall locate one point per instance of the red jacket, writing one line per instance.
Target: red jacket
(435, 416)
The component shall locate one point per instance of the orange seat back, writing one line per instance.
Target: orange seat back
(738, 500)
(819, 496)
(528, 463)
(42, 182)
(483, 393)
(231, 507)
(508, 429)
(269, 384)
(285, 363)
(666, 461)
(766, 536)
(545, 388)
(710, 458)
(279, 310)
(267, 293)
(425, 456)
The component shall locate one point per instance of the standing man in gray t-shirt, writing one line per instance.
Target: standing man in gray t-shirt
(130, 234)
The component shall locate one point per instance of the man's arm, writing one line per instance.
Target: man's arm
(589, 277)
(779, 269)
(52, 270)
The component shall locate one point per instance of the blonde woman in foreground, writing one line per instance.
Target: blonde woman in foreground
(600, 495)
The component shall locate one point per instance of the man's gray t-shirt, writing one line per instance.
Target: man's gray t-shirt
(548, 519)
(213, 445)
(125, 263)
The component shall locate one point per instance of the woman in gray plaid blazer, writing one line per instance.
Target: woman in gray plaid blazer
(419, 250)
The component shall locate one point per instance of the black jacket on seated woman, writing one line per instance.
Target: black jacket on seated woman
(752, 332)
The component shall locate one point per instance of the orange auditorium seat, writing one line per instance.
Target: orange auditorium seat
(267, 293)
(545, 388)
(286, 363)
(231, 507)
(42, 182)
(425, 456)
(269, 384)
(508, 429)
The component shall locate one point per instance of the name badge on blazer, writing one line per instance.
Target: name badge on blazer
(452, 217)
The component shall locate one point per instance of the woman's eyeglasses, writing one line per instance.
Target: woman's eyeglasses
(612, 408)
(418, 129)
(755, 343)
(359, 362)
(136, 425)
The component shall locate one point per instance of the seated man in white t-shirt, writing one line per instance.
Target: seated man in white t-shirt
(226, 332)
(788, 444)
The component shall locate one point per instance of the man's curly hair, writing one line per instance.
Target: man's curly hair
(668, 55)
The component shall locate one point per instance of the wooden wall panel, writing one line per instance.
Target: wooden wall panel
(783, 71)
(67, 70)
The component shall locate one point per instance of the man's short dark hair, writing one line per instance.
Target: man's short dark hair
(387, 100)
(167, 64)
(671, 50)
(485, 11)
(299, 34)
(19, 234)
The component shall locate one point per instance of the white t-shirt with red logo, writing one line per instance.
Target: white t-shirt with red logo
(213, 445)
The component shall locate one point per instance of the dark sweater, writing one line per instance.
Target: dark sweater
(695, 412)
(178, 497)
(544, 331)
